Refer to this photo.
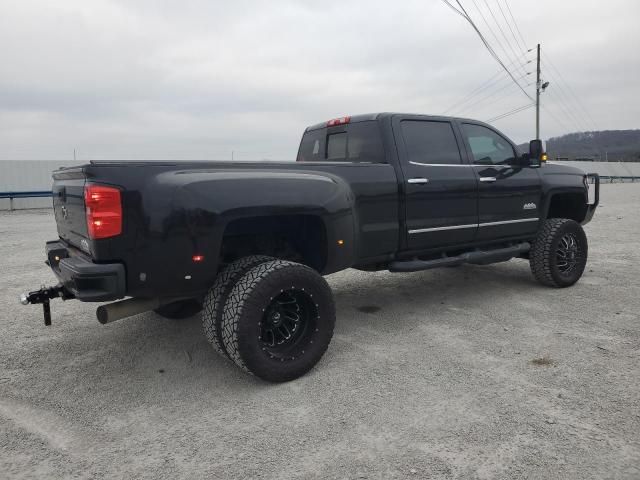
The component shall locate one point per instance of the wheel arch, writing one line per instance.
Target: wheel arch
(570, 204)
(297, 237)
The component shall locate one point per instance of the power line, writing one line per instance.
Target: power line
(466, 108)
(568, 87)
(489, 47)
(563, 101)
(568, 111)
(522, 49)
(558, 121)
(578, 122)
(452, 7)
(524, 42)
(511, 112)
(506, 39)
(466, 16)
(495, 36)
(493, 80)
(488, 83)
(490, 95)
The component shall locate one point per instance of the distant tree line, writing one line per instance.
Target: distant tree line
(611, 145)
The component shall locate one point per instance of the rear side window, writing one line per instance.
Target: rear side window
(355, 142)
(430, 142)
(312, 146)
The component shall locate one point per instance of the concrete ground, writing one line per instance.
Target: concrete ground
(473, 372)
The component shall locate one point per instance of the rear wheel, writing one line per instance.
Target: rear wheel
(278, 320)
(558, 256)
(217, 296)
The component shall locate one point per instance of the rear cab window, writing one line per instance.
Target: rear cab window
(358, 142)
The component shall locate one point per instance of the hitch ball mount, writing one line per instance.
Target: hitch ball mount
(44, 296)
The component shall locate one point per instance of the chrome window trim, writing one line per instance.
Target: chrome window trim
(474, 225)
(474, 165)
(440, 164)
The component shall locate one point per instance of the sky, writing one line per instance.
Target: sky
(205, 79)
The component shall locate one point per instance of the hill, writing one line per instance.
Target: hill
(611, 145)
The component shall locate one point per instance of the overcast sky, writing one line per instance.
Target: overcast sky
(134, 79)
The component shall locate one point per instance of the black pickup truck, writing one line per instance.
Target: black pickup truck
(247, 243)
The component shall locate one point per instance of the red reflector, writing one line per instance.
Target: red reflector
(338, 121)
(198, 258)
(104, 211)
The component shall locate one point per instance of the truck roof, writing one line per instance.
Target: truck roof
(375, 116)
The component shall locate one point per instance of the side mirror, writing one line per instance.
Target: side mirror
(535, 153)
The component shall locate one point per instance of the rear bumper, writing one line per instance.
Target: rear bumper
(88, 281)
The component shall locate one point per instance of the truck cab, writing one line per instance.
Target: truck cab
(461, 182)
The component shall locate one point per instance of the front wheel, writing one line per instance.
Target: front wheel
(278, 320)
(558, 256)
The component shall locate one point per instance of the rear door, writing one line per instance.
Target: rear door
(440, 188)
(508, 193)
(355, 152)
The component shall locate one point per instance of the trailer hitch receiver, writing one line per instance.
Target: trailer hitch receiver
(44, 296)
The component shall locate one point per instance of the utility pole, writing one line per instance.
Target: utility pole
(538, 86)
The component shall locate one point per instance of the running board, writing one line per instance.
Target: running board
(477, 257)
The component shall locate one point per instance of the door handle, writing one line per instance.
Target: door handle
(419, 181)
(488, 179)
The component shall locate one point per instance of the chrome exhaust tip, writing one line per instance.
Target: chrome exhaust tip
(125, 308)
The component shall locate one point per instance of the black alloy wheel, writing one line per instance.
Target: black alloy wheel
(568, 254)
(288, 323)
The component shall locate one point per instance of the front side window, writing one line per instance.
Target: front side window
(430, 142)
(487, 147)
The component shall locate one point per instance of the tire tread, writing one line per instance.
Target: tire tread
(213, 307)
(236, 303)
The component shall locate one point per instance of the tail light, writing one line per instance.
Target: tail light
(338, 121)
(104, 211)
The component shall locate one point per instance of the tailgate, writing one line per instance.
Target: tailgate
(68, 206)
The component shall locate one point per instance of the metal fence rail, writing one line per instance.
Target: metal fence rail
(620, 178)
(27, 194)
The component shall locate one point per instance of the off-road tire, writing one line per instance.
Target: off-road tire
(247, 309)
(179, 310)
(216, 297)
(544, 257)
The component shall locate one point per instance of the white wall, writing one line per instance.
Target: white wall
(28, 175)
(615, 169)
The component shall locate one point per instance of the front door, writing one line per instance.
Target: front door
(440, 187)
(508, 193)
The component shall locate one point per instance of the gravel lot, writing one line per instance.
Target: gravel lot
(435, 374)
